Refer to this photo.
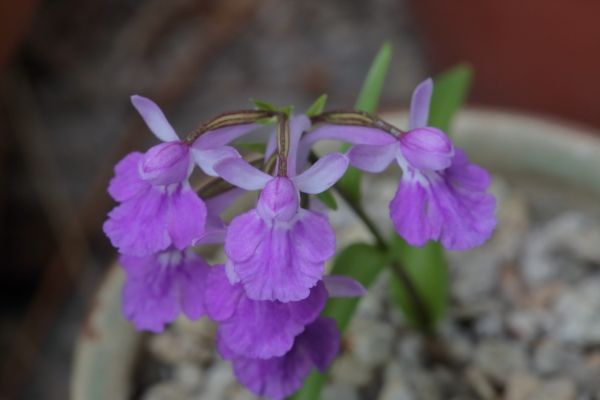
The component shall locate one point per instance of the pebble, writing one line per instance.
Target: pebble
(498, 359)
(335, 391)
(521, 386)
(347, 370)
(167, 391)
(559, 389)
(578, 315)
(371, 341)
(548, 358)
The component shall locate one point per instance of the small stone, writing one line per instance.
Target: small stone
(475, 274)
(577, 313)
(335, 391)
(166, 391)
(219, 380)
(172, 346)
(395, 384)
(523, 324)
(499, 359)
(189, 375)
(489, 325)
(521, 386)
(371, 341)
(548, 358)
(347, 370)
(559, 389)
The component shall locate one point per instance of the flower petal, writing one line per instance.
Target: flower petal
(192, 277)
(372, 158)
(411, 212)
(313, 237)
(323, 174)
(221, 297)
(166, 163)
(279, 200)
(321, 340)
(208, 158)
(298, 125)
(187, 217)
(244, 235)
(419, 105)
(427, 148)
(154, 118)
(343, 286)
(222, 136)
(241, 174)
(127, 182)
(275, 271)
(138, 226)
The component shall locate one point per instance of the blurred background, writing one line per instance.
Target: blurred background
(68, 67)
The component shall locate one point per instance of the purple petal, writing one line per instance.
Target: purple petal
(241, 174)
(279, 200)
(419, 105)
(346, 133)
(450, 206)
(138, 226)
(160, 285)
(154, 118)
(279, 377)
(245, 233)
(127, 182)
(275, 272)
(221, 297)
(271, 145)
(427, 148)
(166, 163)
(192, 279)
(307, 310)
(343, 286)
(313, 236)
(373, 158)
(323, 174)
(412, 215)
(321, 340)
(298, 125)
(208, 158)
(287, 261)
(186, 218)
(222, 136)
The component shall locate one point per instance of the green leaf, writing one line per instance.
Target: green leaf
(427, 270)
(263, 105)
(317, 107)
(327, 198)
(362, 262)
(368, 99)
(450, 90)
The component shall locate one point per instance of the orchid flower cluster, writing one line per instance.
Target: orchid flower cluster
(268, 296)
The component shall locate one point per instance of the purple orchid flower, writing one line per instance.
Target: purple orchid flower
(278, 250)
(161, 285)
(278, 377)
(441, 195)
(158, 207)
(262, 328)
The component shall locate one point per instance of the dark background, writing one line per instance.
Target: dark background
(68, 68)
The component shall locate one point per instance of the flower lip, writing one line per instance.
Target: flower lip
(278, 200)
(166, 163)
